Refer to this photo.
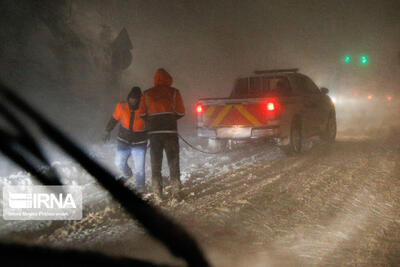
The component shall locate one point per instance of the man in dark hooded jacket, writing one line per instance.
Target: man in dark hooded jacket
(132, 137)
(161, 106)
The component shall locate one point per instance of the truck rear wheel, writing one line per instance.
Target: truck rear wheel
(295, 139)
(329, 134)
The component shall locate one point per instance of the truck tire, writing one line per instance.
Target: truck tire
(295, 139)
(329, 134)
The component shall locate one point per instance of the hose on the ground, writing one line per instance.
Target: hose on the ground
(195, 148)
(202, 151)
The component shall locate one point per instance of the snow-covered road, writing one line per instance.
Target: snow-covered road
(333, 205)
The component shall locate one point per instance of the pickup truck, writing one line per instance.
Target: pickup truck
(283, 105)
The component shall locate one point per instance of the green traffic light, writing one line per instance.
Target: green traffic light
(347, 59)
(364, 59)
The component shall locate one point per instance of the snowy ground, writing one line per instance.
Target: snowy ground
(334, 205)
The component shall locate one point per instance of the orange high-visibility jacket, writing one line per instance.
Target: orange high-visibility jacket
(129, 119)
(162, 104)
(162, 100)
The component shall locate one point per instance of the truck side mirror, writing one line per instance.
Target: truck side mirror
(324, 90)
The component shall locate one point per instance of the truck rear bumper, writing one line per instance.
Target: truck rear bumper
(238, 132)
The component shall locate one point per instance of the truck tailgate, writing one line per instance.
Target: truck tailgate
(234, 112)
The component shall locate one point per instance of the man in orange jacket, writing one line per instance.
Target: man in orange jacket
(132, 138)
(161, 106)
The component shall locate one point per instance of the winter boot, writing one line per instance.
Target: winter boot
(156, 184)
(176, 188)
(123, 179)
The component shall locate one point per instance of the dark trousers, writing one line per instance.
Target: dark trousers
(170, 143)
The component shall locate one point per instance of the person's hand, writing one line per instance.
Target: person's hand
(106, 137)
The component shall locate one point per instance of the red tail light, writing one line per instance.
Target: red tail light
(199, 108)
(271, 106)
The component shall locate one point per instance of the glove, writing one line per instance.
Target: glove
(106, 137)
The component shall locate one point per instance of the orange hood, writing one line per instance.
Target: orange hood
(162, 78)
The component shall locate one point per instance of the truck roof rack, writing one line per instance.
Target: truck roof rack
(275, 71)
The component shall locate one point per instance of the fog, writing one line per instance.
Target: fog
(58, 54)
